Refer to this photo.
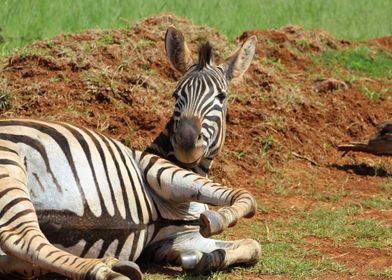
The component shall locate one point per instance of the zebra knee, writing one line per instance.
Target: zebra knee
(251, 246)
(161, 252)
(198, 262)
(190, 259)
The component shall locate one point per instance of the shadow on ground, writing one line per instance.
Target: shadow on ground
(362, 169)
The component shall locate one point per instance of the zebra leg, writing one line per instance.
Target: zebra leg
(172, 183)
(12, 268)
(198, 254)
(21, 237)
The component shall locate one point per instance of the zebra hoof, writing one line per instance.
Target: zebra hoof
(129, 269)
(190, 259)
(211, 222)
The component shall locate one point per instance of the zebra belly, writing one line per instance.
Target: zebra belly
(95, 237)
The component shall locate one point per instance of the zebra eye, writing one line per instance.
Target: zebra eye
(221, 96)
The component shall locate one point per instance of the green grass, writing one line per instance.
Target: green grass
(341, 225)
(291, 259)
(4, 95)
(361, 60)
(286, 249)
(384, 274)
(378, 203)
(23, 21)
(374, 95)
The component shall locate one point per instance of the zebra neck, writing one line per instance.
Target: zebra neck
(162, 146)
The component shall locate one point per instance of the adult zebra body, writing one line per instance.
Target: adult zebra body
(99, 201)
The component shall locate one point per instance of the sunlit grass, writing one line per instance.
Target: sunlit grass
(23, 21)
(361, 60)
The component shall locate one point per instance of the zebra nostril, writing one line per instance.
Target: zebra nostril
(200, 137)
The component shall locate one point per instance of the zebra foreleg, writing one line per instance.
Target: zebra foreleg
(172, 183)
(21, 237)
(12, 268)
(197, 254)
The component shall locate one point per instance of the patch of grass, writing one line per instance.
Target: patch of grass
(264, 144)
(377, 203)
(32, 51)
(374, 95)
(59, 78)
(282, 184)
(271, 61)
(284, 252)
(341, 225)
(240, 154)
(290, 259)
(275, 121)
(267, 143)
(371, 234)
(143, 43)
(235, 97)
(4, 95)
(105, 39)
(25, 21)
(386, 186)
(77, 112)
(295, 99)
(4, 101)
(332, 197)
(362, 60)
(92, 77)
(385, 274)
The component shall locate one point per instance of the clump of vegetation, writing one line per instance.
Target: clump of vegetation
(341, 225)
(4, 96)
(105, 39)
(4, 104)
(384, 274)
(377, 64)
(374, 95)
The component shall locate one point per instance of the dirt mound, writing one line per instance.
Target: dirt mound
(288, 113)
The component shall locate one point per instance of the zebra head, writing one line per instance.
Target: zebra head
(199, 117)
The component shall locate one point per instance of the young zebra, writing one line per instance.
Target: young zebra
(195, 134)
(103, 204)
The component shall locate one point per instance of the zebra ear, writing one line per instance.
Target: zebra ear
(177, 50)
(239, 61)
(205, 55)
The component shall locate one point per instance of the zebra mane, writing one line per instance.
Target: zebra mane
(205, 54)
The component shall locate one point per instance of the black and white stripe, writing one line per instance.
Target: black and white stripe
(95, 198)
(202, 93)
(93, 178)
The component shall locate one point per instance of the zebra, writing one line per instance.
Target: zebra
(85, 206)
(196, 132)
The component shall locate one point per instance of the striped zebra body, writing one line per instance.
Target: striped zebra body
(104, 205)
(119, 213)
(97, 193)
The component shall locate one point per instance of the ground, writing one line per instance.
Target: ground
(321, 214)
